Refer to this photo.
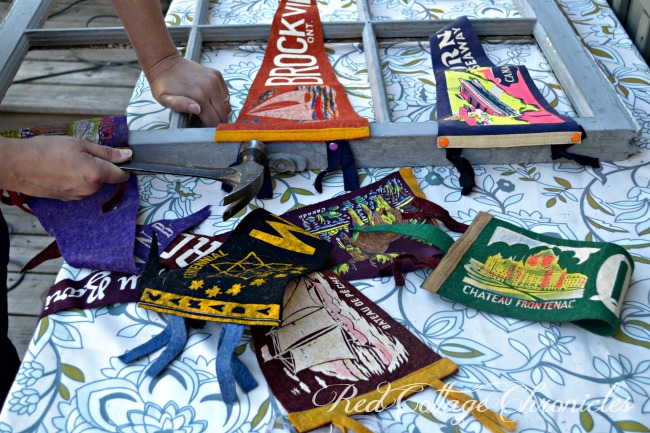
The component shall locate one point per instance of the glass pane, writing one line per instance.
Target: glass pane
(239, 66)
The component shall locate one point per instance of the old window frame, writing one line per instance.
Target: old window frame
(611, 130)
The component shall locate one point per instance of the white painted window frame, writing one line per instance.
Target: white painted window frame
(611, 130)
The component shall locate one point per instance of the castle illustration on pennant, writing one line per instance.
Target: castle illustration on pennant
(252, 266)
(538, 276)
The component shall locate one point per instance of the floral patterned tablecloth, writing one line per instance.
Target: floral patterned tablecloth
(549, 377)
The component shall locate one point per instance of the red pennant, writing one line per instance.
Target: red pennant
(295, 95)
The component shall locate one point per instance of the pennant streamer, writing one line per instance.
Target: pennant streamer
(483, 105)
(339, 155)
(295, 95)
(337, 354)
(503, 269)
(243, 281)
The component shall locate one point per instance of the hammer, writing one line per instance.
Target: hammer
(246, 177)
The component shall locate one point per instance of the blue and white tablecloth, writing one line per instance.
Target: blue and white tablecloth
(549, 377)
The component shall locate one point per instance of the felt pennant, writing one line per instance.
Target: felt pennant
(174, 337)
(503, 269)
(243, 281)
(88, 237)
(337, 354)
(166, 231)
(483, 105)
(295, 95)
(361, 255)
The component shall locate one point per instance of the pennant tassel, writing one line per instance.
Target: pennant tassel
(464, 169)
(174, 347)
(344, 423)
(339, 155)
(157, 342)
(15, 199)
(230, 369)
(50, 252)
(417, 262)
(429, 209)
(174, 337)
(561, 151)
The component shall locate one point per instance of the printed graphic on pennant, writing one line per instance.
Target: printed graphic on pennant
(295, 95)
(504, 269)
(483, 105)
(243, 281)
(361, 255)
(337, 354)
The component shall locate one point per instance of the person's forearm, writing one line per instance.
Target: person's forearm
(145, 25)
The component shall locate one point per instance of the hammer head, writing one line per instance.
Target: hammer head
(248, 178)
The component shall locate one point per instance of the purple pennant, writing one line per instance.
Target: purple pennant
(91, 236)
(88, 237)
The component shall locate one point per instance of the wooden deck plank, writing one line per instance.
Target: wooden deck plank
(118, 76)
(77, 15)
(28, 296)
(22, 223)
(21, 331)
(71, 55)
(10, 121)
(4, 7)
(80, 100)
(26, 247)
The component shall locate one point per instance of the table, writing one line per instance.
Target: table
(547, 376)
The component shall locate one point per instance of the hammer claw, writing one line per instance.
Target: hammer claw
(246, 176)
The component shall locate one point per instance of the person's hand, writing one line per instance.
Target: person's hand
(64, 168)
(188, 87)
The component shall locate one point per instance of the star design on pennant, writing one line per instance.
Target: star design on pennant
(235, 289)
(196, 284)
(258, 282)
(214, 291)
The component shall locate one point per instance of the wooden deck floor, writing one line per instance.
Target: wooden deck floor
(104, 91)
(27, 239)
(80, 95)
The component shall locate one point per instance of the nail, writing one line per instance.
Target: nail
(195, 109)
(126, 153)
